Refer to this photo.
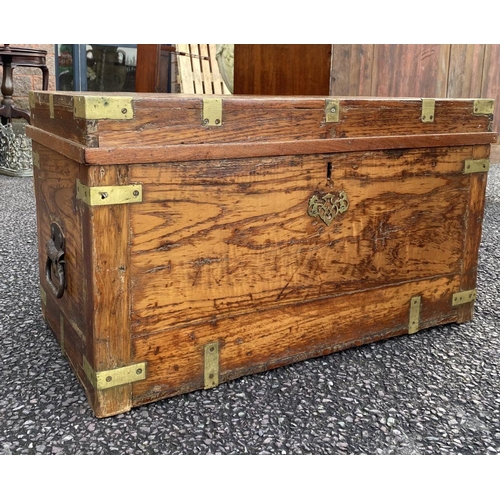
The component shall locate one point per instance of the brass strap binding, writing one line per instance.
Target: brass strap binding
(413, 323)
(211, 371)
(115, 377)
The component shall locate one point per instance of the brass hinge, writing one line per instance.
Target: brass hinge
(332, 110)
(465, 297)
(474, 166)
(484, 106)
(414, 320)
(103, 107)
(212, 112)
(211, 362)
(108, 195)
(112, 378)
(428, 109)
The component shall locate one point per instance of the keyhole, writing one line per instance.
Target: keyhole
(329, 171)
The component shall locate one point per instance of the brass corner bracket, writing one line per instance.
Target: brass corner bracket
(111, 107)
(464, 297)
(475, 166)
(112, 378)
(108, 195)
(484, 106)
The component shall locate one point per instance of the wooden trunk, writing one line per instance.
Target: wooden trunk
(193, 240)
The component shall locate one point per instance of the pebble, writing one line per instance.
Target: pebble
(435, 392)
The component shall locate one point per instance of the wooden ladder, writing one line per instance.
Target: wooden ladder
(198, 69)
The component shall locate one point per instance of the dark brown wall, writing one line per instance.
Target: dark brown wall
(152, 67)
(282, 69)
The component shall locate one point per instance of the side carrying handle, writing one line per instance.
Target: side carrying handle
(54, 266)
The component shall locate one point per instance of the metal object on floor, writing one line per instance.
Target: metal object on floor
(15, 153)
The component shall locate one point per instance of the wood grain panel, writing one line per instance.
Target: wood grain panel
(153, 67)
(252, 343)
(465, 73)
(196, 152)
(148, 65)
(267, 69)
(203, 246)
(62, 123)
(370, 119)
(453, 71)
(65, 147)
(491, 84)
(410, 70)
(54, 184)
(179, 121)
(186, 152)
(351, 71)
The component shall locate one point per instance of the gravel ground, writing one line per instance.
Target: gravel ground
(433, 393)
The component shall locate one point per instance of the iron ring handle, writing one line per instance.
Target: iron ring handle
(55, 258)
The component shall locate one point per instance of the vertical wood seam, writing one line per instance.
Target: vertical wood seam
(372, 83)
(330, 89)
(475, 213)
(447, 90)
(485, 49)
(113, 348)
